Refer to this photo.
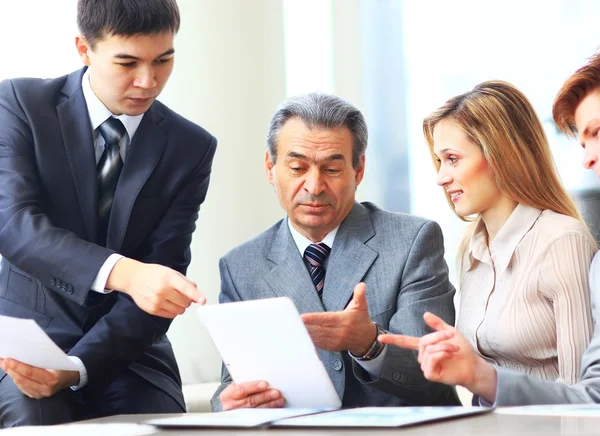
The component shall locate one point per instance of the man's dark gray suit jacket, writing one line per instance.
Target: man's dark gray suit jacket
(49, 225)
(398, 256)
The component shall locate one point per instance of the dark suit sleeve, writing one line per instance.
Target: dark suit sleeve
(424, 288)
(28, 239)
(228, 294)
(123, 335)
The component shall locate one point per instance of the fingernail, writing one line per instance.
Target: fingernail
(262, 385)
(274, 394)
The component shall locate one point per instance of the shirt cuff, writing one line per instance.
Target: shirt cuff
(99, 283)
(83, 376)
(373, 367)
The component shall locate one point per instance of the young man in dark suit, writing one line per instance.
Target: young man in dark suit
(101, 187)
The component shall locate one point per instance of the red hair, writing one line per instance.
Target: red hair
(585, 80)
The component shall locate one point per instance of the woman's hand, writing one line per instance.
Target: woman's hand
(446, 356)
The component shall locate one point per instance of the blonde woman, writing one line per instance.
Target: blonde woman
(524, 295)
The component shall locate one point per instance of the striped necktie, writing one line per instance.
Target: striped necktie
(109, 168)
(316, 254)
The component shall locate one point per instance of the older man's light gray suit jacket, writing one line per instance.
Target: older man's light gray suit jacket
(398, 256)
(515, 388)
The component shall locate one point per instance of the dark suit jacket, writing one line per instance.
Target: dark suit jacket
(49, 218)
(401, 259)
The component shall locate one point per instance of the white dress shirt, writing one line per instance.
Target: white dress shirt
(373, 367)
(98, 114)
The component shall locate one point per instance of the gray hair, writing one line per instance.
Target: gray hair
(323, 111)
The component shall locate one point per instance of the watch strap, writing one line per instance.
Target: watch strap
(375, 349)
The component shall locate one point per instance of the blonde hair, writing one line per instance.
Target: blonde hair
(498, 117)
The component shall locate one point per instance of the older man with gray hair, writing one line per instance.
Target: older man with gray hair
(352, 269)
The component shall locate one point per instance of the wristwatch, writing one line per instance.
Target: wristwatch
(375, 349)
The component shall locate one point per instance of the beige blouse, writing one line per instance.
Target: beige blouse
(524, 301)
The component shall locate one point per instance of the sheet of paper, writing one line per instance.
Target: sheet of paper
(379, 417)
(25, 341)
(552, 410)
(82, 429)
(267, 340)
(242, 418)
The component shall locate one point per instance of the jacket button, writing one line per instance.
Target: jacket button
(337, 365)
(52, 281)
(399, 377)
(58, 283)
(70, 289)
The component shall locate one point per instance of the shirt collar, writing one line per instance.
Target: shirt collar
(100, 113)
(503, 247)
(302, 242)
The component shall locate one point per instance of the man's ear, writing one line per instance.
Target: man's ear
(269, 168)
(83, 48)
(360, 171)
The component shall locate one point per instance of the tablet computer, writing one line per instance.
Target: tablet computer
(267, 340)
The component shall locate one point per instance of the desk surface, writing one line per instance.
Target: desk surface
(489, 424)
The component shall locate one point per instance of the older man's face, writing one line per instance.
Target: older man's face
(314, 177)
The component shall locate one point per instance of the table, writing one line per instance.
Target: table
(490, 424)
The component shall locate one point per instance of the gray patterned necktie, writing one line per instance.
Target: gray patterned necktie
(316, 254)
(109, 168)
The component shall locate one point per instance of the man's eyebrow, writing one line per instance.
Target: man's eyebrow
(592, 124)
(334, 157)
(135, 58)
(296, 155)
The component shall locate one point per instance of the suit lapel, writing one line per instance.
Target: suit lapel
(289, 277)
(142, 157)
(350, 259)
(77, 137)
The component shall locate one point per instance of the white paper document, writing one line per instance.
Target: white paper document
(380, 416)
(25, 341)
(553, 410)
(241, 418)
(267, 340)
(359, 417)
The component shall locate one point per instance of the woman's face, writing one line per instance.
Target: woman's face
(464, 172)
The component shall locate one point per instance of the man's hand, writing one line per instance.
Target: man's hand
(37, 382)
(446, 356)
(250, 394)
(156, 289)
(350, 329)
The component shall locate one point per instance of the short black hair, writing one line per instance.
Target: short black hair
(99, 18)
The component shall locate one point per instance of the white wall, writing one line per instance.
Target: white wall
(229, 77)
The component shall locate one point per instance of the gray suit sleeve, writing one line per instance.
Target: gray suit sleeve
(228, 294)
(424, 287)
(517, 389)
